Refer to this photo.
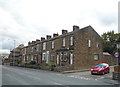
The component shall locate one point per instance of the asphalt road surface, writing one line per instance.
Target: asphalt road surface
(106, 78)
(25, 76)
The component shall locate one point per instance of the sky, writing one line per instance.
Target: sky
(22, 21)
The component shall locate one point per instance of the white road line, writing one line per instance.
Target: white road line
(57, 83)
(79, 77)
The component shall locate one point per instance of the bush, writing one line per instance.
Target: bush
(52, 65)
(32, 63)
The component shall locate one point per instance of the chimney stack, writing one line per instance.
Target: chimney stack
(42, 38)
(29, 43)
(64, 31)
(75, 27)
(54, 35)
(33, 42)
(48, 36)
(37, 40)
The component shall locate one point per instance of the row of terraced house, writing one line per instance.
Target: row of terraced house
(79, 48)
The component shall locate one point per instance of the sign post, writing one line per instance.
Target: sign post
(116, 55)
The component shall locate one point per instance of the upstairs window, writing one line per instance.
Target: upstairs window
(89, 43)
(97, 45)
(53, 44)
(37, 47)
(71, 41)
(31, 49)
(44, 46)
(63, 42)
(25, 51)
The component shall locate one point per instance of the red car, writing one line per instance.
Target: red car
(100, 68)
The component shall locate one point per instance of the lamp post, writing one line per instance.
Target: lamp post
(116, 73)
(14, 53)
(118, 59)
(13, 57)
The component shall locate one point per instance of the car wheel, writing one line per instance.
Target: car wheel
(91, 73)
(108, 71)
(103, 73)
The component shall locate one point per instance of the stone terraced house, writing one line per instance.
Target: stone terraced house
(80, 48)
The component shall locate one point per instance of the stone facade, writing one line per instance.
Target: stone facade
(109, 59)
(15, 57)
(80, 48)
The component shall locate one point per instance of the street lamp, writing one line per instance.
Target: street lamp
(13, 58)
(14, 53)
(118, 59)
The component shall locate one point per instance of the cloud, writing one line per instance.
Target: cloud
(5, 51)
(27, 20)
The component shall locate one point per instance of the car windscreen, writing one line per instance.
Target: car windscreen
(99, 65)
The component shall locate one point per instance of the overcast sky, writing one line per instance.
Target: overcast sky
(28, 20)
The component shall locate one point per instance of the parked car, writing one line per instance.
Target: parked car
(100, 68)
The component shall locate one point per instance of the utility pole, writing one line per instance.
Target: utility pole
(14, 53)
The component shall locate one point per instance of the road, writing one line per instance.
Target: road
(12, 75)
(107, 78)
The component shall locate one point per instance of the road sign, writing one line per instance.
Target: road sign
(116, 54)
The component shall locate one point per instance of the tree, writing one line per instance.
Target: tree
(110, 39)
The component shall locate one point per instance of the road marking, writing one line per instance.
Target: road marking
(58, 74)
(57, 83)
(79, 77)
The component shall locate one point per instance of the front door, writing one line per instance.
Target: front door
(58, 59)
(47, 57)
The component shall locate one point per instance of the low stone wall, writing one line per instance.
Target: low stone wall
(116, 73)
(116, 76)
(50, 68)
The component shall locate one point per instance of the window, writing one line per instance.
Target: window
(97, 45)
(44, 46)
(25, 50)
(63, 42)
(37, 47)
(63, 57)
(71, 58)
(52, 57)
(53, 44)
(89, 43)
(31, 58)
(71, 41)
(27, 58)
(24, 58)
(58, 59)
(43, 57)
(47, 56)
(96, 57)
(31, 49)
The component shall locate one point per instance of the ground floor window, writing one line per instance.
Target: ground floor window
(63, 56)
(96, 57)
(32, 58)
(43, 57)
(47, 56)
(71, 58)
(52, 57)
